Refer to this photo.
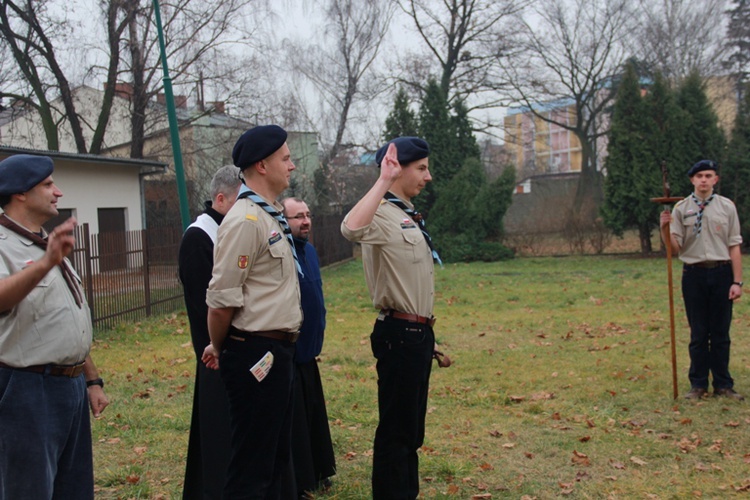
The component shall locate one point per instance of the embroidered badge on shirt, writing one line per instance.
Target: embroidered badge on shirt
(243, 261)
(251, 217)
(407, 224)
(275, 237)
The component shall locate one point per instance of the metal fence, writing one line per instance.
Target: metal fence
(130, 275)
(328, 242)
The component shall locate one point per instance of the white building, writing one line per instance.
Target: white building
(103, 192)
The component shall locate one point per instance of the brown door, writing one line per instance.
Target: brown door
(63, 214)
(112, 248)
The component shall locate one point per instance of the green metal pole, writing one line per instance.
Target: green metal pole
(174, 131)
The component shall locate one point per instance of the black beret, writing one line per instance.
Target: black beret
(257, 144)
(703, 165)
(409, 149)
(20, 173)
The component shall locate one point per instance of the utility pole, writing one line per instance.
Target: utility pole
(174, 131)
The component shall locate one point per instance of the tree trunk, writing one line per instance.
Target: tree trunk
(644, 235)
(589, 193)
(139, 103)
(114, 32)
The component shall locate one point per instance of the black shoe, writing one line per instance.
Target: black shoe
(729, 393)
(696, 393)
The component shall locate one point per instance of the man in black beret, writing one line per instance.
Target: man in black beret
(409, 149)
(705, 232)
(254, 318)
(45, 339)
(403, 342)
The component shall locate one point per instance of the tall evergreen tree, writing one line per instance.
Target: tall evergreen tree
(734, 177)
(435, 127)
(401, 121)
(668, 124)
(702, 137)
(459, 200)
(465, 145)
(493, 201)
(453, 211)
(631, 169)
(468, 214)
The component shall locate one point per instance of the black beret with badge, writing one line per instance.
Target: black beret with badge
(20, 173)
(703, 165)
(257, 144)
(409, 149)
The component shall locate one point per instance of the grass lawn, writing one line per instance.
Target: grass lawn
(561, 385)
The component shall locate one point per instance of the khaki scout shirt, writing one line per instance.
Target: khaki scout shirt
(254, 271)
(47, 326)
(398, 262)
(720, 229)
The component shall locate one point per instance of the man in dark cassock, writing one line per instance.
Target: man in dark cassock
(312, 450)
(209, 442)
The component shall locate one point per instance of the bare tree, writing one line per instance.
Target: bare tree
(202, 41)
(28, 33)
(341, 68)
(464, 40)
(677, 37)
(572, 52)
(196, 35)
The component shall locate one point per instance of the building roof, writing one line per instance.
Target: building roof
(550, 176)
(147, 166)
(542, 107)
(207, 118)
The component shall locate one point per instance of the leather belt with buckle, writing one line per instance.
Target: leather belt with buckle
(413, 318)
(710, 264)
(71, 371)
(242, 335)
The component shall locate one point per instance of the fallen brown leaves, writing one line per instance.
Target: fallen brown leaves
(580, 459)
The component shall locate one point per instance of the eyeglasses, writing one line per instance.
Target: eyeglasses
(302, 217)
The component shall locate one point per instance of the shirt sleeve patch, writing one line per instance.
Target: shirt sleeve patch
(242, 261)
(275, 237)
(251, 217)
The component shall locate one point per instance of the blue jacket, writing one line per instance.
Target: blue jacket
(310, 341)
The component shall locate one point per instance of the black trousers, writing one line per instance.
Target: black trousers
(404, 359)
(261, 419)
(709, 313)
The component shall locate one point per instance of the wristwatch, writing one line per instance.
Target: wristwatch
(96, 381)
(738, 283)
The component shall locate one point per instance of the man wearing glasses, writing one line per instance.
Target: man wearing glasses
(312, 450)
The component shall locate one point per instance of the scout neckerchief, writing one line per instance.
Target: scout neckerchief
(246, 192)
(416, 217)
(67, 272)
(701, 207)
